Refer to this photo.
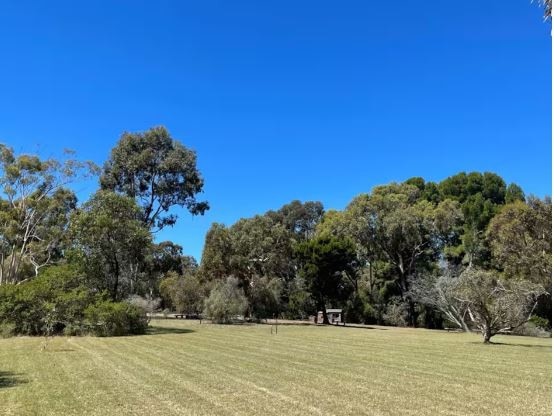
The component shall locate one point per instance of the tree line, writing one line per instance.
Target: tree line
(469, 251)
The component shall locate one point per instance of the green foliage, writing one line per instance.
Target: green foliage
(260, 248)
(520, 237)
(158, 172)
(165, 257)
(480, 197)
(514, 193)
(111, 243)
(540, 322)
(399, 233)
(168, 257)
(418, 182)
(185, 293)
(226, 301)
(53, 303)
(300, 304)
(7, 329)
(108, 318)
(299, 218)
(265, 296)
(34, 211)
(357, 309)
(45, 304)
(216, 254)
(328, 266)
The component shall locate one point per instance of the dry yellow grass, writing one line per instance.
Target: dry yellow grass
(184, 368)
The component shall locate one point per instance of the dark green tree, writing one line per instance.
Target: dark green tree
(514, 193)
(168, 256)
(265, 297)
(328, 266)
(480, 195)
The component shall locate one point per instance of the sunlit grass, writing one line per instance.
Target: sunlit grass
(184, 368)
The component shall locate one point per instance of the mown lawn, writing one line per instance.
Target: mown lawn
(184, 368)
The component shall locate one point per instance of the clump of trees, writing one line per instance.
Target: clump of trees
(398, 255)
(469, 251)
(91, 268)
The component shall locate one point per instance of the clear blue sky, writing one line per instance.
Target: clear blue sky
(282, 100)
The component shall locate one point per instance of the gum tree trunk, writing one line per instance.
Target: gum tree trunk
(487, 334)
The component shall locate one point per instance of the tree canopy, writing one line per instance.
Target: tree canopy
(158, 172)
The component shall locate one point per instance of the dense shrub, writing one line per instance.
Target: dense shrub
(358, 310)
(530, 329)
(46, 304)
(540, 322)
(108, 318)
(55, 303)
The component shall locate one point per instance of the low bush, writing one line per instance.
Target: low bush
(108, 318)
(540, 322)
(530, 329)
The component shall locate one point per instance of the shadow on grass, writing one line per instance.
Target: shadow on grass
(361, 327)
(508, 344)
(9, 379)
(161, 330)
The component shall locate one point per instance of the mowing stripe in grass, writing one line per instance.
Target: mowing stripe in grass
(245, 370)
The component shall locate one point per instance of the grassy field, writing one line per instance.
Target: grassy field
(183, 368)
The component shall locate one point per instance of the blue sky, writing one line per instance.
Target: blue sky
(282, 100)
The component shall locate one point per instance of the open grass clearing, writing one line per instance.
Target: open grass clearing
(183, 368)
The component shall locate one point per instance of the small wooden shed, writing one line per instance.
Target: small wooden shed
(333, 315)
